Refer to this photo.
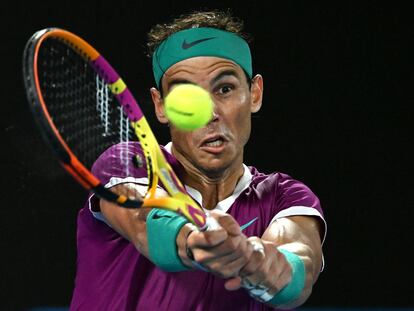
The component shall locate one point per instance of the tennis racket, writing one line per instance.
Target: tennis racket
(83, 107)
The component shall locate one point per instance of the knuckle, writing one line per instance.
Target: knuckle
(229, 272)
(225, 219)
(261, 275)
(234, 242)
(226, 273)
(238, 264)
(253, 238)
(192, 239)
(200, 257)
(215, 267)
(241, 256)
(249, 269)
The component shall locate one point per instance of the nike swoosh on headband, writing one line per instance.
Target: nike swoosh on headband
(186, 45)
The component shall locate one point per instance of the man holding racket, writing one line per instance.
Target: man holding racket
(266, 253)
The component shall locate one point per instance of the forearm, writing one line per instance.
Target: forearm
(288, 265)
(153, 236)
(311, 269)
(301, 235)
(162, 236)
(133, 224)
(182, 246)
(129, 223)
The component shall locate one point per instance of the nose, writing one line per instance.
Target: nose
(215, 115)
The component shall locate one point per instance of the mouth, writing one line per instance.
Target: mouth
(213, 143)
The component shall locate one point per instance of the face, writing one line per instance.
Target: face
(218, 146)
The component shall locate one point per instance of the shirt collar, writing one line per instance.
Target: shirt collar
(225, 204)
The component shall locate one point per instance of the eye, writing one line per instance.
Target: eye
(225, 89)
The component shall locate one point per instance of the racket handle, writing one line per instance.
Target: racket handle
(211, 224)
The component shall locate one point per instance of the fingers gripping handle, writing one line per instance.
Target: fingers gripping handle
(211, 224)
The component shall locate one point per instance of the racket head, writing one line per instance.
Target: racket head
(59, 71)
(84, 108)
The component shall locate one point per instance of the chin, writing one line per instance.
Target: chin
(214, 171)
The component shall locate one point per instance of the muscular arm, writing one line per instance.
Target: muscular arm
(215, 248)
(298, 234)
(130, 223)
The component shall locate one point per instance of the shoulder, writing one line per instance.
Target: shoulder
(281, 194)
(125, 160)
(277, 182)
(119, 160)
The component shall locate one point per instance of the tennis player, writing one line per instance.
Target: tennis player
(268, 252)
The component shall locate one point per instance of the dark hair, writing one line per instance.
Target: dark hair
(215, 19)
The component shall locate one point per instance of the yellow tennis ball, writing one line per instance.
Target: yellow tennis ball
(188, 107)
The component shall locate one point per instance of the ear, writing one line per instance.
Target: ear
(158, 105)
(256, 93)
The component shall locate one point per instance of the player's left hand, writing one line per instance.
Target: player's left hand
(266, 267)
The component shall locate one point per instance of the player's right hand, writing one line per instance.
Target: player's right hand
(223, 251)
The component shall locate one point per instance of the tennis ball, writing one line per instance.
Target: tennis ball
(188, 107)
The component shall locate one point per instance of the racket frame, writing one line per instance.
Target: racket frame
(157, 166)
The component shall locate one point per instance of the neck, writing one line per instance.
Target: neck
(214, 190)
(213, 186)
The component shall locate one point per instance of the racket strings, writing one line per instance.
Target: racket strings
(83, 118)
(82, 107)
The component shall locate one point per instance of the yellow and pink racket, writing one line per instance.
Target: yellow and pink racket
(83, 107)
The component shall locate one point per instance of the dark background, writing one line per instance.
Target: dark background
(337, 113)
